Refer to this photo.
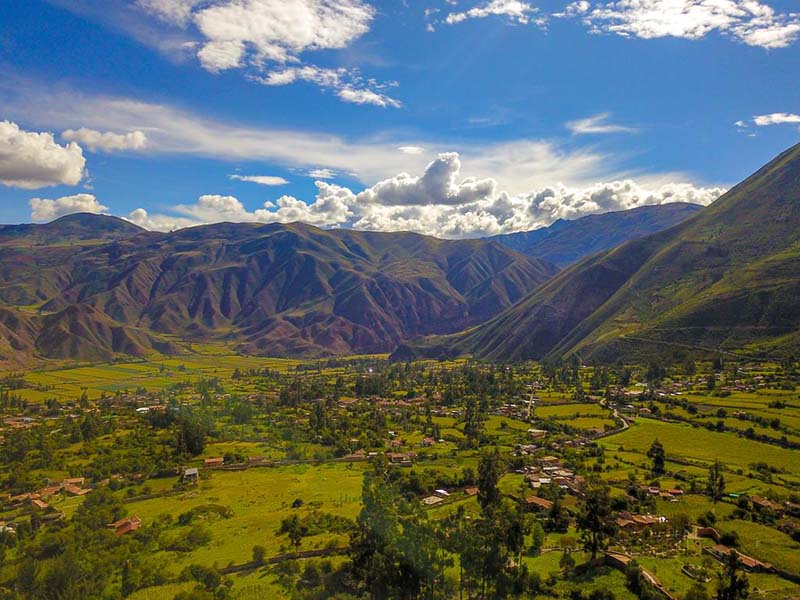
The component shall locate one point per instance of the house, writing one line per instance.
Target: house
(721, 553)
(766, 504)
(78, 481)
(441, 493)
(428, 442)
(431, 500)
(210, 463)
(125, 525)
(549, 462)
(39, 504)
(793, 508)
(536, 504)
(191, 475)
(74, 490)
(536, 434)
(403, 459)
(471, 491)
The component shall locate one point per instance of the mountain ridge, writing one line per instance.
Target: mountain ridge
(727, 278)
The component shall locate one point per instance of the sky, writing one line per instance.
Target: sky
(454, 118)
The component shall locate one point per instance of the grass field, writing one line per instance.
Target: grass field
(684, 441)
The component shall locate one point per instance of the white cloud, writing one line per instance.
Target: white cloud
(159, 222)
(106, 141)
(262, 37)
(515, 10)
(438, 185)
(748, 21)
(776, 119)
(411, 149)
(177, 12)
(44, 210)
(280, 30)
(32, 160)
(322, 173)
(261, 179)
(597, 124)
(439, 202)
(518, 165)
(347, 84)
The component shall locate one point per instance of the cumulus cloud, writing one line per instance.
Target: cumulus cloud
(44, 210)
(439, 202)
(438, 185)
(105, 141)
(32, 160)
(597, 124)
(261, 179)
(514, 10)
(747, 21)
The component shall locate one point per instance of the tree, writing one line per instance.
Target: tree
(259, 555)
(490, 469)
(595, 520)
(658, 456)
(295, 530)
(474, 419)
(557, 519)
(732, 583)
(697, 592)
(567, 563)
(715, 486)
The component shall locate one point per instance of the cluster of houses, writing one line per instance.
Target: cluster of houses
(440, 496)
(633, 523)
(670, 495)
(74, 486)
(549, 470)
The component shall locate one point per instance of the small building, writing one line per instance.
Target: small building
(213, 462)
(431, 500)
(441, 493)
(537, 504)
(721, 553)
(471, 491)
(125, 525)
(74, 490)
(191, 475)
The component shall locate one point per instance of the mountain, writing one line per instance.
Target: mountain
(71, 228)
(726, 279)
(566, 242)
(265, 289)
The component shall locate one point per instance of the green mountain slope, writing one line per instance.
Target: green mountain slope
(727, 278)
(566, 242)
(266, 289)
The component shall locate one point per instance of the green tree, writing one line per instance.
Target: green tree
(658, 456)
(595, 520)
(732, 583)
(715, 486)
(293, 528)
(490, 469)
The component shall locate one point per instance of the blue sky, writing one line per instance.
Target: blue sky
(453, 118)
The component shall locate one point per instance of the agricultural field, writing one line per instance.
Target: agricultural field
(244, 477)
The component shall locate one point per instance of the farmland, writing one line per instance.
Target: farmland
(252, 477)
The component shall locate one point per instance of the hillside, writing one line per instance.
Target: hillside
(566, 242)
(265, 289)
(726, 279)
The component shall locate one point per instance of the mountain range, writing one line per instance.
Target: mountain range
(725, 280)
(722, 278)
(90, 287)
(566, 242)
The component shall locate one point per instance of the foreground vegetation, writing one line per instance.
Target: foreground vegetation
(221, 476)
